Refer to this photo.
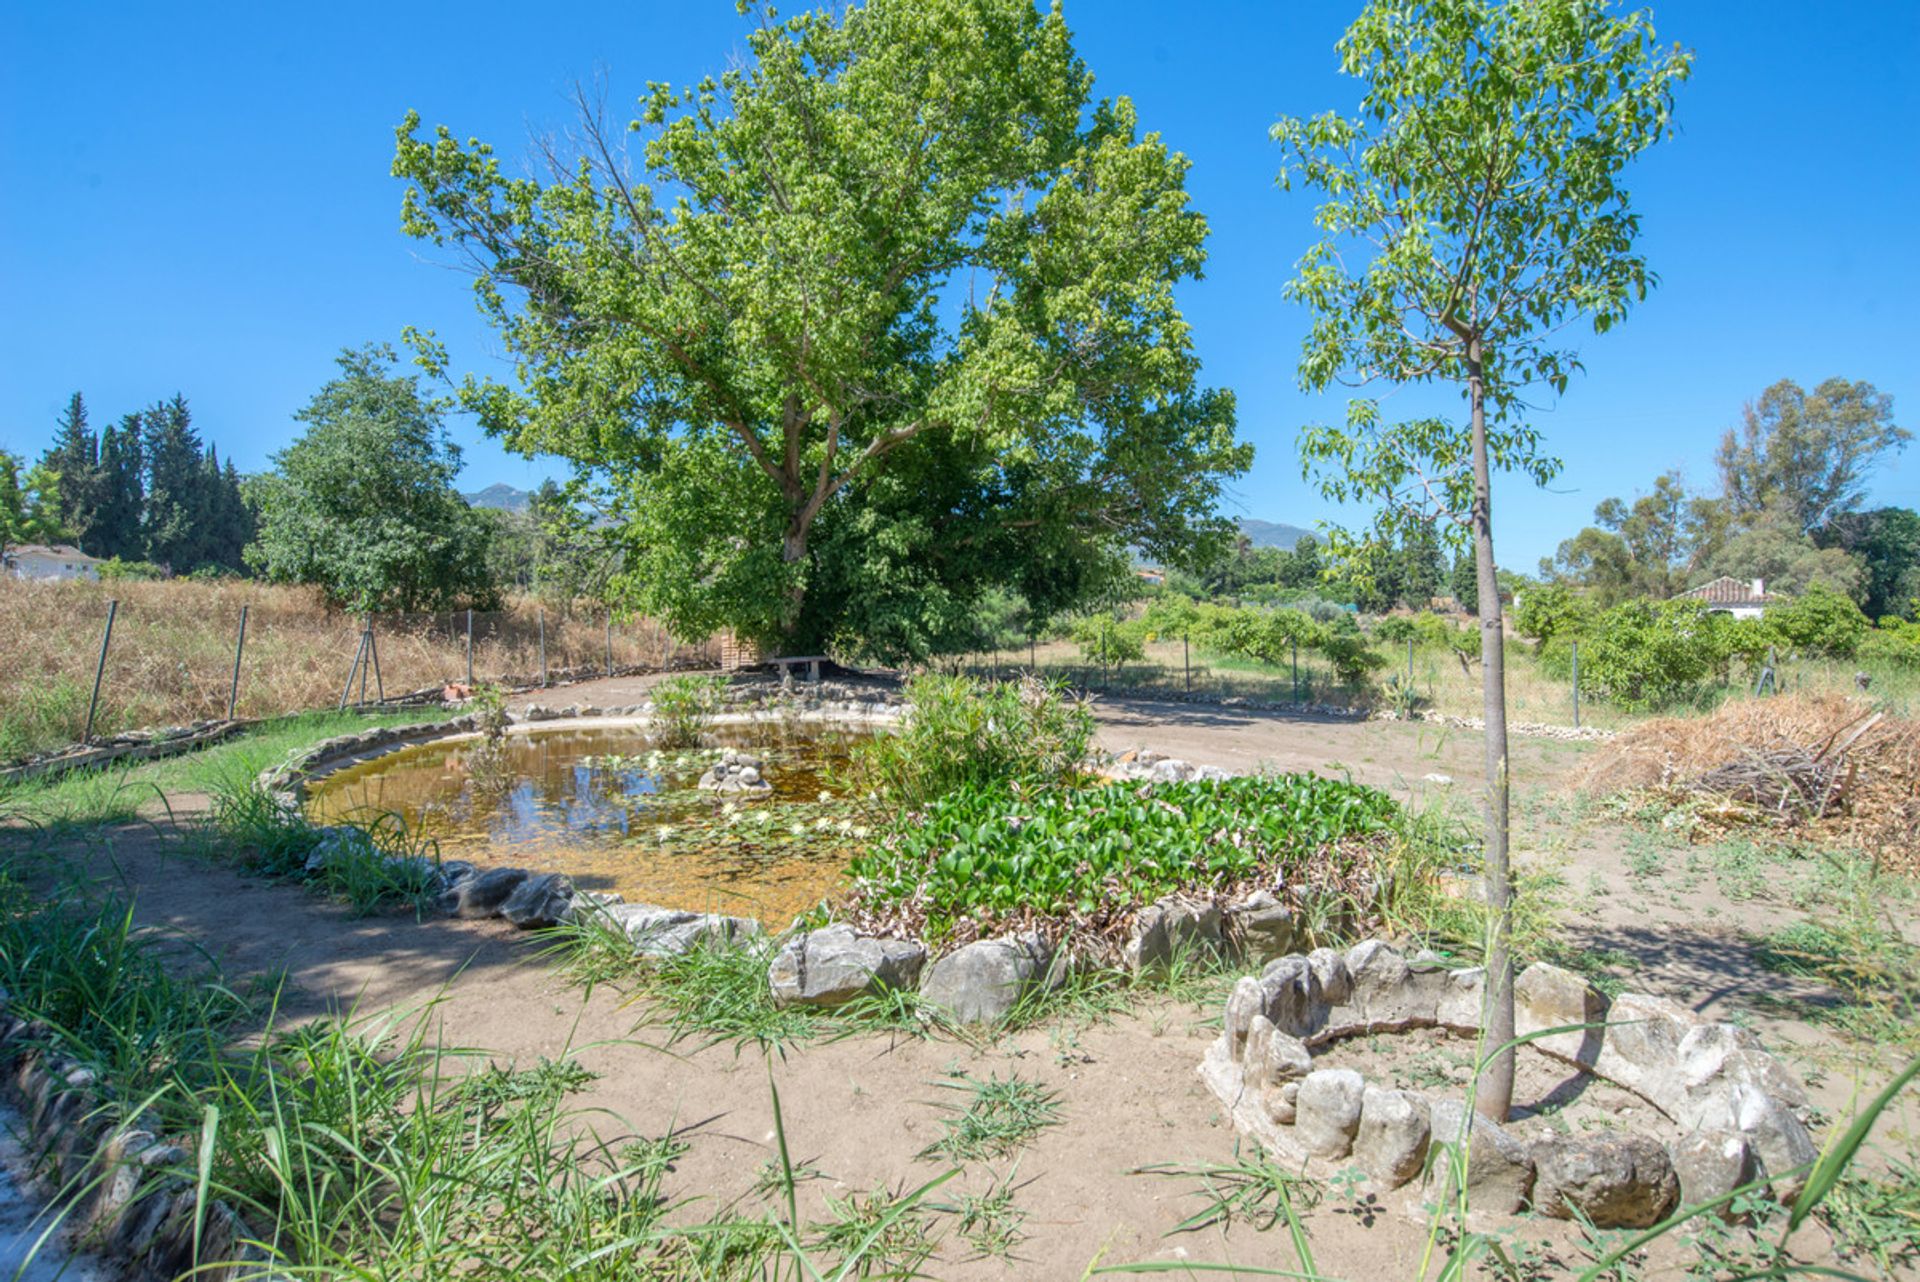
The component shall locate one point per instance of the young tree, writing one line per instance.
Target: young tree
(1471, 211)
(29, 505)
(364, 504)
(880, 319)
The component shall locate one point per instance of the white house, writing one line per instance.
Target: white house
(1727, 595)
(39, 561)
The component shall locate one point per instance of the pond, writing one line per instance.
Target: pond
(613, 812)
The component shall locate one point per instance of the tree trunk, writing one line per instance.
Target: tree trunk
(1493, 1095)
(793, 550)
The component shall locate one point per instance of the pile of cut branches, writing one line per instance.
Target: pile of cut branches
(1822, 765)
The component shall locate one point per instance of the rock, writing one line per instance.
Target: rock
(736, 772)
(339, 843)
(1776, 1138)
(1712, 1057)
(1548, 996)
(1175, 928)
(1388, 995)
(1261, 927)
(483, 894)
(1444, 781)
(1329, 1111)
(1391, 1143)
(1285, 995)
(981, 982)
(1282, 1103)
(1463, 1000)
(540, 902)
(1499, 1169)
(1332, 982)
(836, 964)
(672, 932)
(1641, 1049)
(1710, 1164)
(1272, 1056)
(1615, 1181)
(1171, 770)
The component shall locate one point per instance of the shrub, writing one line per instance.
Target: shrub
(1820, 621)
(683, 708)
(960, 732)
(1395, 629)
(114, 570)
(1645, 655)
(991, 853)
(1104, 640)
(1896, 646)
(1551, 610)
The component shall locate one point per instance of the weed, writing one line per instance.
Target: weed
(962, 733)
(1877, 1217)
(1252, 1189)
(998, 1117)
(992, 1223)
(885, 1233)
(683, 707)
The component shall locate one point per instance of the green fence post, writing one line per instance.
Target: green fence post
(100, 670)
(1576, 685)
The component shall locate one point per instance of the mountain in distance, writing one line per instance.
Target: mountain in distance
(502, 496)
(1271, 534)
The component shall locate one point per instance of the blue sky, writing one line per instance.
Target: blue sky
(196, 198)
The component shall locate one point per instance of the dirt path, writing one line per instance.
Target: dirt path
(860, 1111)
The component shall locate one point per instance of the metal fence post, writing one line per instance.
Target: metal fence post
(1294, 644)
(543, 644)
(1033, 664)
(1186, 658)
(239, 647)
(100, 670)
(469, 647)
(373, 657)
(1576, 685)
(1409, 663)
(359, 653)
(609, 642)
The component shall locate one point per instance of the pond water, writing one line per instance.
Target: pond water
(607, 808)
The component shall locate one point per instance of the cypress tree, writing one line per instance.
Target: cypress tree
(175, 467)
(75, 456)
(117, 516)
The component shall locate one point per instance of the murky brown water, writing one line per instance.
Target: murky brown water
(603, 807)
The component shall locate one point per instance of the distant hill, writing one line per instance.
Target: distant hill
(502, 496)
(1271, 534)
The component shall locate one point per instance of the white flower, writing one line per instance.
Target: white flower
(663, 832)
(825, 795)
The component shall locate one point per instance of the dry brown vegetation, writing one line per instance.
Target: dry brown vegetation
(171, 659)
(1826, 765)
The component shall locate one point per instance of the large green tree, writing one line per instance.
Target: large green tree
(881, 318)
(1657, 545)
(364, 504)
(29, 504)
(75, 458)
(1471, 211)
(1808, 456)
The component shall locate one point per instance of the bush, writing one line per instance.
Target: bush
(683, 707)
(114, 570)
(1105, 640)
(960, 732)
(1395, 629)
(988, 853)
(1896, 646)
(1551, 610)
(1646, 655)
(1820, 621)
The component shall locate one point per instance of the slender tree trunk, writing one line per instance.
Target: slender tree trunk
(1493, 1095)
(793, 550)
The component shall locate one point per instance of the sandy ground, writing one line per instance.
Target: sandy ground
(861, 1110)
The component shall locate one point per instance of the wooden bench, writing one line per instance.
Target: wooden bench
(786, 665)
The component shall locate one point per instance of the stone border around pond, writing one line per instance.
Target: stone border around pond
(138, 1204)
(1741, 1113)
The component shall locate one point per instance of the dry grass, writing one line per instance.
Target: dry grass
(171, 660)
(1821, 764)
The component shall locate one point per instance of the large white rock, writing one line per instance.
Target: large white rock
(837, 964)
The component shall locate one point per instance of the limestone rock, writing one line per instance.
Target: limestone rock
(1329, 1111)
(1332, 982)
(1776, 1138)
(1499, 1169)
(1463, 1000)
(672, 932)
(736, 772)
(1261, 927)
(539, 902)
(1272, 1056)
(1175, 927)
(1616, 1181)
(836, 964)
(1391, 1143)
(1711, 1164)
(483, 894)
(1548, 996)
(981, 982)
(1641, 1048)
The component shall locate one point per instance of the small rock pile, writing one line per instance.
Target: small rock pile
(736, 772)
(1147, 766)
(1738, 1111)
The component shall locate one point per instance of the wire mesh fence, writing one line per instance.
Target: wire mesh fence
(1425, 678)
(177, 654)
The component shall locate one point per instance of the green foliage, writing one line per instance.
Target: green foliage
(1806, 455)
(1886, 541)
(1552, 610)
(996, 1118)
(1819, 621)
(113, 569)
(814, 431)
(683, 708)
(29, 507)
(1108, 641)
(364, 503)
(991, 853)
(1644, 655)
(1895, 643)
(963, 733)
